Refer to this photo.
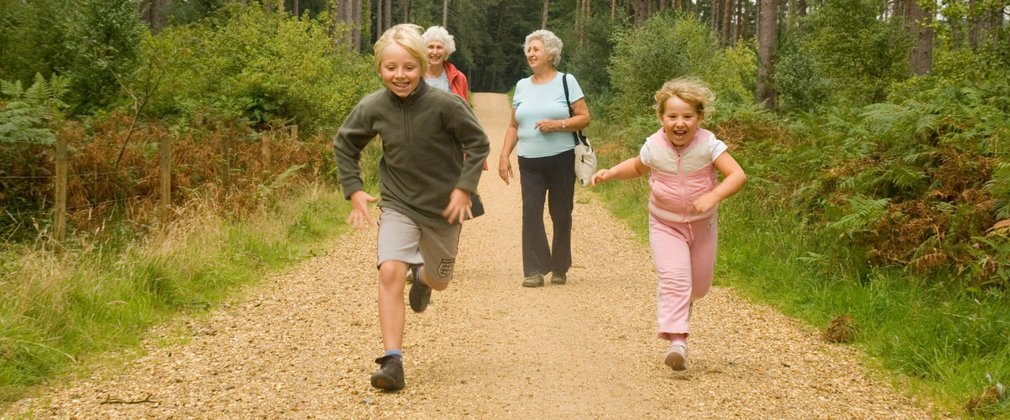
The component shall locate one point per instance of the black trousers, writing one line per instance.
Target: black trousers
(550, 179)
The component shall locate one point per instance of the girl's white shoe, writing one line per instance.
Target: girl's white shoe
(676, 357)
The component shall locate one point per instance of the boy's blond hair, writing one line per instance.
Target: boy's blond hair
(406, 35)
(689, 89)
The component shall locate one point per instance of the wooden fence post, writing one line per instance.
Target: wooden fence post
(225, 167)
(165, 163)
(60, 210)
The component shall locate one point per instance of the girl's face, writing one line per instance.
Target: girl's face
(679, 120)
(399, 70)
(537, 56)
(436, 53)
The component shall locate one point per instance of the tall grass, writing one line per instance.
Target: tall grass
(59, 308)
(949, 346)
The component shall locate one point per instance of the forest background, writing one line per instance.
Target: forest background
(149, 150)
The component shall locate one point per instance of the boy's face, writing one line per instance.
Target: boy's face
(679, 120)
(399, 70)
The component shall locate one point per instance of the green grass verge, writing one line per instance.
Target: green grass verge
(942, 345)
(59, 309)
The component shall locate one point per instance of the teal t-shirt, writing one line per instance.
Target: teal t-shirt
(533, 103)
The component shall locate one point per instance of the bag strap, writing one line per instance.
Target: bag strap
(576, 135)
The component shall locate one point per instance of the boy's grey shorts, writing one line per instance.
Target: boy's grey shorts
(400, 239)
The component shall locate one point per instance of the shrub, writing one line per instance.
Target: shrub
(246, 64)
(669, 46)
(842, 55)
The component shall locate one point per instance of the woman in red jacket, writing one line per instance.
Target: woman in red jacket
(441, 73)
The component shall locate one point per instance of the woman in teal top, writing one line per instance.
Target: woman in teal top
(542, 129)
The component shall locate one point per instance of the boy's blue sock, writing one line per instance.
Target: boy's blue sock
(394, 352)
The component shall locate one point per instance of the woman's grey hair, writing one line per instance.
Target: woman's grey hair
(552, 44)
(440, 34)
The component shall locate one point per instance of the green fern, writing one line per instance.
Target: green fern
(27, 116)
(863, 214)
(999, 187)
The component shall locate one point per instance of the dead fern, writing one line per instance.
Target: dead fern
(842, 329)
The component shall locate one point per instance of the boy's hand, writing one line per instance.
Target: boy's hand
(459, 207)
(360, 217)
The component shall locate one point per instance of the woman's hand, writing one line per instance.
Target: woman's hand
(505, 169)
(459, 207)
(546, 126)
(360, 217)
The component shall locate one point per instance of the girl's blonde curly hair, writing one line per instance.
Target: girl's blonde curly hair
(689, 89)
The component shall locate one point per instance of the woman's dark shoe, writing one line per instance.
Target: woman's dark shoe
(559, 278)
(535, 280)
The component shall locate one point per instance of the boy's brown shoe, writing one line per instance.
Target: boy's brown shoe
(389, 377)
(420, 293)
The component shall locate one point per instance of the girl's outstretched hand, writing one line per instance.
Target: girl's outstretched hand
(360, 217)
(598, 177)
(459, 207)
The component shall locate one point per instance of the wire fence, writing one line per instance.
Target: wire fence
(53, 208)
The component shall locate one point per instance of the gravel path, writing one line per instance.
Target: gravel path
(301, 344)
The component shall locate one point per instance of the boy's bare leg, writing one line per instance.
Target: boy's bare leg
(392, 278)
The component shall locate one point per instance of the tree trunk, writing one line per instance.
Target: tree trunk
(613, 9)
(406, 10)
(154, 14)
(741, 20)
(727, 22)
(767, 19)
(445, 13)
(897, 8)
(379, 29)
(388, 15)
(920, 60)
(356, 24)
(713, 21)
(294, 8)
(641, 11)
(543, 17)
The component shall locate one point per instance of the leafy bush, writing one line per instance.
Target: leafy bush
(586, 62)
(246, 64)
(842, 55)
(669, 46)
(93, 42)
(918, 182)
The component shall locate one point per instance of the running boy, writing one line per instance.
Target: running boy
(432, 151)
(682, 159)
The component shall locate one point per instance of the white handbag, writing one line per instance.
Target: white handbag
(585, 156)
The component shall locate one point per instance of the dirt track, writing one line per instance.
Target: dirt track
(301, 344)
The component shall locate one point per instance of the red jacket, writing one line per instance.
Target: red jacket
(458, 85)
(457, 82)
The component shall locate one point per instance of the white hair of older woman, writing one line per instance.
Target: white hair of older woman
(440, 34)
(552, 44)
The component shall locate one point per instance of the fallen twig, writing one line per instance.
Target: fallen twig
(110, 400)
